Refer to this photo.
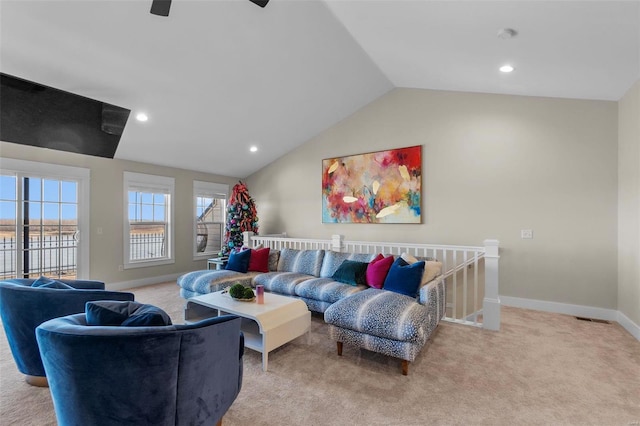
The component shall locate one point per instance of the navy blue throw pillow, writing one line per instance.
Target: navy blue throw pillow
(351, 272)
(107, 312)
(130, 314)
(44, 282)
(404, 278)
(147, 316)
(239, 262)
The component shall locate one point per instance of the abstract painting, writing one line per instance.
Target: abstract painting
(377, 187)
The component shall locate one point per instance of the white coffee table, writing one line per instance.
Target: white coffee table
(265, 326)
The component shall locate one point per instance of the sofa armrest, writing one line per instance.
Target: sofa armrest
(432, 295)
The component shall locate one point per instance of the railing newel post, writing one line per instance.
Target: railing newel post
(491, 303)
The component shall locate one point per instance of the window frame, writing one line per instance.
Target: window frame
(81, 175)
(142, 182)
(212, 190)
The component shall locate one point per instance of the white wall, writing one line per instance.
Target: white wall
(629, 205)
(107, 212)
(492, 165)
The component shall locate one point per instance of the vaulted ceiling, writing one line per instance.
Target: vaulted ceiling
(219, 76)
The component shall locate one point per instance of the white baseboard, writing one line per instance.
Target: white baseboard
(630, 326)
(124, 285)
(574, 310)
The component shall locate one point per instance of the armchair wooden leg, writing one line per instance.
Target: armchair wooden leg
(219, 423)
(339, 348)
(39, 381)
(405, 367)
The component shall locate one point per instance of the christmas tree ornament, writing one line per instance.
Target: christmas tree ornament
(241, 217)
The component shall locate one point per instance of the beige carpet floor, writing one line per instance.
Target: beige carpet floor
(540, 369)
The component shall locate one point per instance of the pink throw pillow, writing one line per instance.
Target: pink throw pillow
(378, 269)
(259, 260)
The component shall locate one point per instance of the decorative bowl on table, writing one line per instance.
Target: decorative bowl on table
(253, 299)
(241, 293)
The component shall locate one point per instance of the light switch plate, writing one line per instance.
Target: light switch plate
(526, 234)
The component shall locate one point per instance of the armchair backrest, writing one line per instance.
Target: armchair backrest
(170, 375)
(80, 284)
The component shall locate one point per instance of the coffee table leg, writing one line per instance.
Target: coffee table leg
(265, 353)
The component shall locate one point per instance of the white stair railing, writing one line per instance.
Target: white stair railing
(470, 273)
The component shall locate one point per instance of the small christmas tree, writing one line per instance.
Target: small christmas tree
(241, 217)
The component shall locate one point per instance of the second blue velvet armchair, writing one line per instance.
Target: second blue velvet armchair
(23, 308)
(150, 375)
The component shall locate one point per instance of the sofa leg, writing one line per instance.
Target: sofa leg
(339, 348)
(405, 367)
(219, 422)
(39, 381)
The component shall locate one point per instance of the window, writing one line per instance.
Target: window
(148, 230)
(44, 220)
(210, 201)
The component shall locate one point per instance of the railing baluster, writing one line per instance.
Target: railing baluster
(475, 288)
(464, 285)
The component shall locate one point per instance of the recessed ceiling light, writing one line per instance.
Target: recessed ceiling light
(253, 149)
(141, 116)
(506, 68)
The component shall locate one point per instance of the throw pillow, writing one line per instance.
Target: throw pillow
(239, 262)
(408, 258)
(131, 314)
(377, 270)
(404, 278)
(274, 256)
(351, 272)
(432, 268)
(259, 260)
(147, 316)
(107, 312)
(44, 282)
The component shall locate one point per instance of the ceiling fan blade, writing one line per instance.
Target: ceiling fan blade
(161, 7)
(261, 3)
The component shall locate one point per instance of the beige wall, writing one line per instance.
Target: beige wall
(106, 251)
(492, 165)
(629, 204)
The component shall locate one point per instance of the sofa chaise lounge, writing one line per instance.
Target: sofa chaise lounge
(396, 324)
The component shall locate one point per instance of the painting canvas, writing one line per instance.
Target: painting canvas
(377, 187)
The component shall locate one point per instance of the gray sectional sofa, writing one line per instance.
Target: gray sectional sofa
(396, 325)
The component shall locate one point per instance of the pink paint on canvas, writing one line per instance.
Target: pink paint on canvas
(377, 187)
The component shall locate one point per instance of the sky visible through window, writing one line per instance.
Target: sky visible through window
(146, 207)
(202, 204)
(49, 199)
(54, 200)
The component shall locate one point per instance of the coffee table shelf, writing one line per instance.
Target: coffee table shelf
(265, 326)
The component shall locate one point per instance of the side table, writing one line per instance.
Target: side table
(219, 262)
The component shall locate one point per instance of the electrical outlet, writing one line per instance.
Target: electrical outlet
(99, 230)
(120, 268)
(526, 234)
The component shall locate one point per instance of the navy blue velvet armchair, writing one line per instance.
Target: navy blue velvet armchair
(23, 308)
(160, 375)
